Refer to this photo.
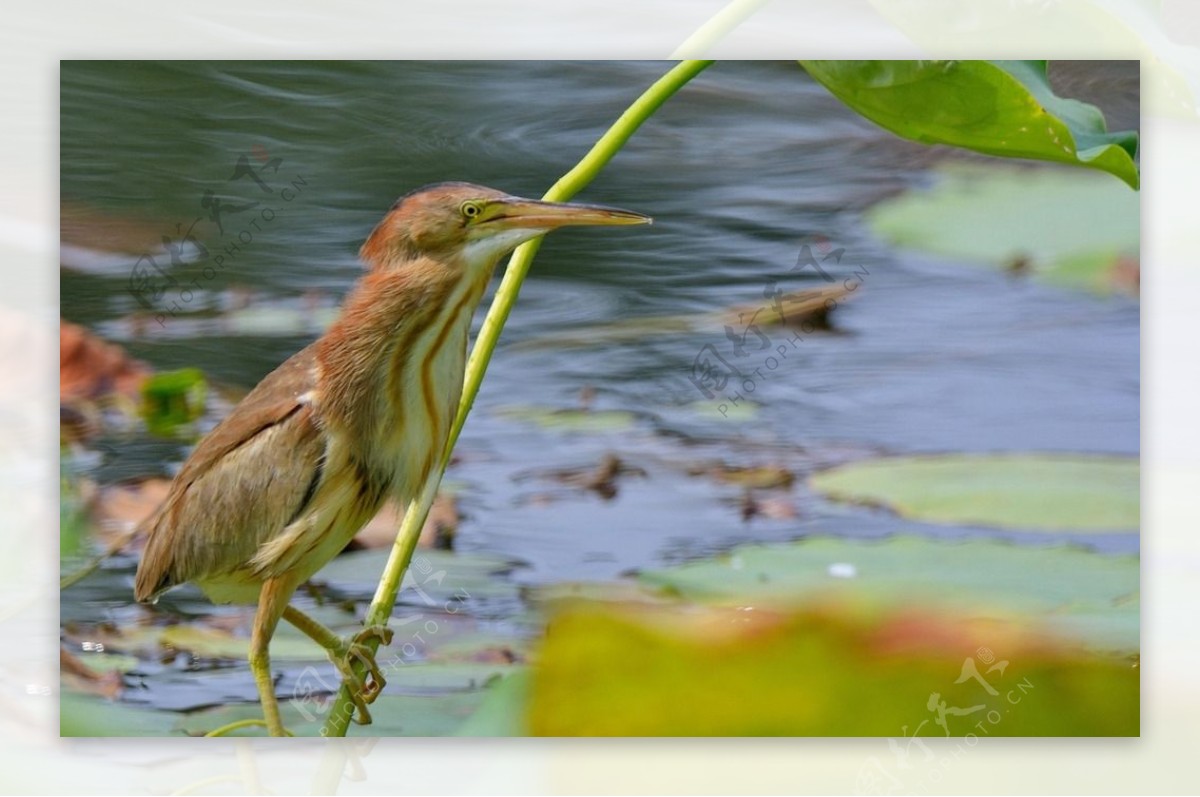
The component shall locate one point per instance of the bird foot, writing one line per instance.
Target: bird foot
(365, 688)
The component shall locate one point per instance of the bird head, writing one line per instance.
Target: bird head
(478, 225)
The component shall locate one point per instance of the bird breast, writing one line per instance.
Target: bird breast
(416, 404)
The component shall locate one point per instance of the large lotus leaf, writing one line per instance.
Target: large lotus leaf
(1089, 597)
(722, 672)
(1071, 228)
(1001, 108)
(84, 715)
(1012, 491)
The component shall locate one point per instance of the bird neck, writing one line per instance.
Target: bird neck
(390, 369)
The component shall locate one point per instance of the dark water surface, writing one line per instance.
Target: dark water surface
(739, 169)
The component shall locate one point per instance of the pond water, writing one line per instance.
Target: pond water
(743, 167)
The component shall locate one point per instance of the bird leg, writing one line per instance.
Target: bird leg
(272, 602)
(345, 653)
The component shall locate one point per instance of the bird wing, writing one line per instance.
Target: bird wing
(242, 485)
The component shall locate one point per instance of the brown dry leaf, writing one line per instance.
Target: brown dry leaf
(804, 310)
(771, 508)
(777, 509)
(601, 478)
(762, 477)
(1126, 275)
(491, 654)
(438, 531)
(120, 507)
(90, 368)
(88, 228)
(82, 678)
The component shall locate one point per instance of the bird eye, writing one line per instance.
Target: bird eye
(470, 209)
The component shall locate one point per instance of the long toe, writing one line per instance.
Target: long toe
(381, 632)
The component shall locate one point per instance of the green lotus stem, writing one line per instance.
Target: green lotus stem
(225, 730)
(715, 29)
(481, 354)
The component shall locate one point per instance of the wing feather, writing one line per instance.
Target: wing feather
(241, 486)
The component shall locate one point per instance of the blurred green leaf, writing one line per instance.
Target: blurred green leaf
(503, 710)
(1001, 108)
(172, 400)
(686, 672)
(1044, 492)
(72, 519)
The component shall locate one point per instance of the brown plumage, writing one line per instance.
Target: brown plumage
(280, 486)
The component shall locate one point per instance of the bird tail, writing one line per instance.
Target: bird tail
(154, 573)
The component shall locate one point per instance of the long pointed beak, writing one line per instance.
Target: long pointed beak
(514, 213)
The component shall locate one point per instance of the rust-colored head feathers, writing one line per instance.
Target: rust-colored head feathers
(478, 224)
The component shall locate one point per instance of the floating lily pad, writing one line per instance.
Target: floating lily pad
(392, 715)
(690, 671)
(206, 642)
(1071, 227)
(626, 591)
(1013, 491)
(442, 677)
(108, 662)
(216, 643)
(479, 646)
(434, 578)
(1084, 595)
(714, 410)
(82, 715)
(570, 420)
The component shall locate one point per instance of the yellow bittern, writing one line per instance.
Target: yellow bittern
(280, 486)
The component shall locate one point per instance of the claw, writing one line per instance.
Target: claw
(363, 690)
